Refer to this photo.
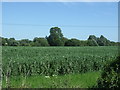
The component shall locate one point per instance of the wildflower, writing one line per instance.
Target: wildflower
(54, 75)
(47, 76)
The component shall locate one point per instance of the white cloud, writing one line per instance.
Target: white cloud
(59, 0)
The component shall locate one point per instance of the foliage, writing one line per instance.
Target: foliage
(83, 42)
(92, 42)
(114, 43)
(56, 37)
(40, 42)
(4, 41)
(72, 42)
(96, 41)
(64, 39)
(24, 42)
(12, 42)
(110, 77)
(92, 37)
(102, 41)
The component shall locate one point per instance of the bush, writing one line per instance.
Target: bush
(110, 77)
(40, 42)
(72, 42)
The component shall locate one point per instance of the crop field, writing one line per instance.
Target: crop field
(55, 61)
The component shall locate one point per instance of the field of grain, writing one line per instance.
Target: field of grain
(54, 61)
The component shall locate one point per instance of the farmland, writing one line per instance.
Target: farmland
(49, 61)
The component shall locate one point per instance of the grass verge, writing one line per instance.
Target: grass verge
(86, 80)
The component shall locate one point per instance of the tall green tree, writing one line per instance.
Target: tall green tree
(92, 37)
(12, 42)
(92, 40)
(4, 41)
(102, 41)
(56, 37)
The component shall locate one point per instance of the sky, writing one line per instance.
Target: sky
(26, 20)
(60, 0)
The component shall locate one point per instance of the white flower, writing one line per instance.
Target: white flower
(47, 76)
(6, 43)
(54, 75)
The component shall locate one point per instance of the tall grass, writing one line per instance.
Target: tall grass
(85, 80)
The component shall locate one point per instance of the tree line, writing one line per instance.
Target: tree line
(56, 38)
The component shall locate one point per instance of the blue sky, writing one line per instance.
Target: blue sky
(76, 20)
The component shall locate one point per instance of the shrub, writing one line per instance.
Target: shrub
(110, 77)
(72, 42)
